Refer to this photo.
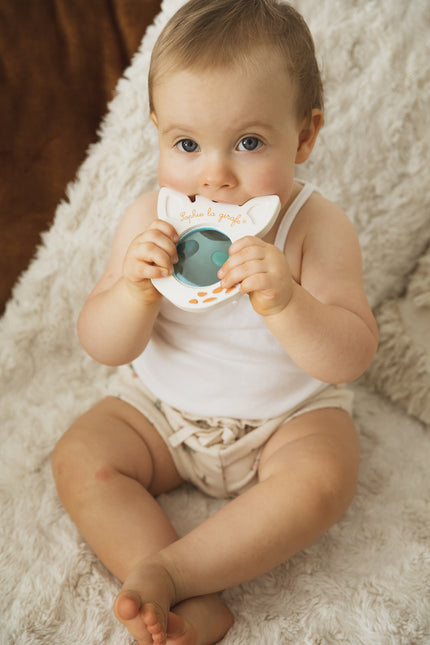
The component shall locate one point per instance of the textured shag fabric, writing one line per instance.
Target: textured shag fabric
(367, 580)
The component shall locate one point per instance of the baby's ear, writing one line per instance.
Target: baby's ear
(308, 135)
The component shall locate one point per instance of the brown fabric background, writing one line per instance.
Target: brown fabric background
(59, 63)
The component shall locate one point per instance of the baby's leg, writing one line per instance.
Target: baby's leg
(307, 473)
(107, 468)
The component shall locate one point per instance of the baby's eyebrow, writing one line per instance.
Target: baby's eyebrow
(255, 125)
(176, 127)
(239, 128)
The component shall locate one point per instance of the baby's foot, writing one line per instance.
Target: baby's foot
(144, 602)
(205, 621)
(143, 607)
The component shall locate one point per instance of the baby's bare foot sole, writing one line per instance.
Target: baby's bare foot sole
(146, 623)
(143, 603)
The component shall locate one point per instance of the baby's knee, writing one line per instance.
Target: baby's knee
(336, 492)
(70, 461)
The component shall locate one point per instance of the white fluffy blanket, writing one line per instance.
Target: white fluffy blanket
(368, 579)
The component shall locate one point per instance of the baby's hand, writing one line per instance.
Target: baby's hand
(262, 271)
(151, 254)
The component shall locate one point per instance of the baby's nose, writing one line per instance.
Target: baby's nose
(218, 173)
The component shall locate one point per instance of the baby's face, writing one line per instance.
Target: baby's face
(227, 135)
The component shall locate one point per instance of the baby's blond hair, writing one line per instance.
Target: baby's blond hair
(204, 34)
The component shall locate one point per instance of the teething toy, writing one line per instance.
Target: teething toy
(206, 230)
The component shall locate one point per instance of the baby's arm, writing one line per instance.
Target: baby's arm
(312, 298)
(116, 321)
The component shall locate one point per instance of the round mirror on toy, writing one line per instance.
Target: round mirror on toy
(206, 230)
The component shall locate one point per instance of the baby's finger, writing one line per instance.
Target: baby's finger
(254, 282)
(157, 254)
(145, 271)
(237, 274)
(246, 248)
(145, 261)
(155, 237)
(165, 228)
(247, 241)
(243, 260)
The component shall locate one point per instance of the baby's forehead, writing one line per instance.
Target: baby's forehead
(261, 65)
(208, 61)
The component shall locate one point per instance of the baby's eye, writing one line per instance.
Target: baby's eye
(187, 145)
(249, 144)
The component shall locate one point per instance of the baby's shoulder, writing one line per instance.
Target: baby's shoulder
(138, 216)
(318, 208)
(143, 210)
(136, 219)
(321, 226)
(322, 217)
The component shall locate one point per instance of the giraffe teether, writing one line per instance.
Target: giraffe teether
(206, 230)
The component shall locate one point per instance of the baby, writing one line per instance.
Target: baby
(246, 401)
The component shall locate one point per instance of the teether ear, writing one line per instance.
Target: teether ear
(260, 210)
(170, 204)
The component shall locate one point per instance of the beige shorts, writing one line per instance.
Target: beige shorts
(220, 456)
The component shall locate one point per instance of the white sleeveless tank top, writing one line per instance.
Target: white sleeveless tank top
(225, 362)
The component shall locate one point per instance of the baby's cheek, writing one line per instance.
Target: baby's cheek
(273, 180)
(172, 175)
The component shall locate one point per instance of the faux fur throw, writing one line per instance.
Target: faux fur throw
(367, 580)
(401, 368)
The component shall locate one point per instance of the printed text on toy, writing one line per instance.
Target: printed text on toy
(232, 219)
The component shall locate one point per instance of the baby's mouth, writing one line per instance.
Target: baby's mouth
(192, 198)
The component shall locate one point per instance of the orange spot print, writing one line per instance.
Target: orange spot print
(217, 290)
(209, 300)
(193, 301)
(228, 290)
(202, 293)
